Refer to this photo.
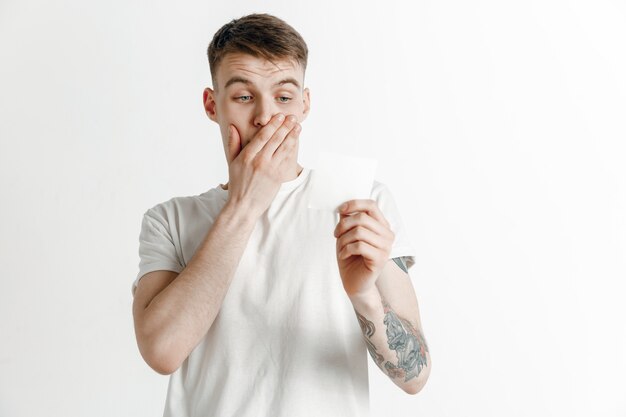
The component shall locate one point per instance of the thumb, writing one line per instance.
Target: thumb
(234, 143)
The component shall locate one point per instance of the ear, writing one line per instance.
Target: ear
(306, 98)
(208, 100)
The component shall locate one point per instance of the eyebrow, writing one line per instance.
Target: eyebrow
(237, 79)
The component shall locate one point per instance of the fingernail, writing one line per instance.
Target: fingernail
(281, 117)
(343, 206)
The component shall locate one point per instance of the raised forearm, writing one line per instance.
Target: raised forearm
(395, 343)
(180, 315)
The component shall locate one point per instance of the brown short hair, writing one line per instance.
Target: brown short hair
(259, 35)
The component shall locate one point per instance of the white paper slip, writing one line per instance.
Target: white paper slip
(337, 178)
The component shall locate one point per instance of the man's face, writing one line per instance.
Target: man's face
(251, 90)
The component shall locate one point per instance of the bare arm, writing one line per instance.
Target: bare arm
(381, 293)
(170, 324)
(390, 320)
(173, 313)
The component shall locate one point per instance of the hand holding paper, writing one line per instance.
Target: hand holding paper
(364, 237)
(364, 241)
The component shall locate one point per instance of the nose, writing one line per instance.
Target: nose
(263, 112)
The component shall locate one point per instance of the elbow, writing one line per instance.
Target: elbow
(160, 350)
(413, 388)
(162, 366)
(417, 384)
(162, 361)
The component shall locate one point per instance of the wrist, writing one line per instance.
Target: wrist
(366, 300)
(239, 213)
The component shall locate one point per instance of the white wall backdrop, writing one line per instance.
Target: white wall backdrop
(499, 127)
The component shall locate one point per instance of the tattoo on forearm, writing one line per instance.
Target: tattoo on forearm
(368, 329)
(408, 343)
(401, 263)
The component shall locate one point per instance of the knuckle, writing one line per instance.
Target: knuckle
(262, 135)
(293, 133)
(285, 125)
(278, 120)
(257, 163)
(247, 158)
(289, 144)
(290, 125)
(282, 131)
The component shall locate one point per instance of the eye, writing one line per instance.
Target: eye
(284, 101)
(242, 98)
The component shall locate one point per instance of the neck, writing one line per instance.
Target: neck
(293, 174)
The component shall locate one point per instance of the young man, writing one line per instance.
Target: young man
(254, 304)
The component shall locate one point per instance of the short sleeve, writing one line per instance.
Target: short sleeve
(156, 247)
(402, 245)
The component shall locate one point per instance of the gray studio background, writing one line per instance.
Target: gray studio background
(498, 126)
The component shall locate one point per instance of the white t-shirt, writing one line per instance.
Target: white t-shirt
(286, 341)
